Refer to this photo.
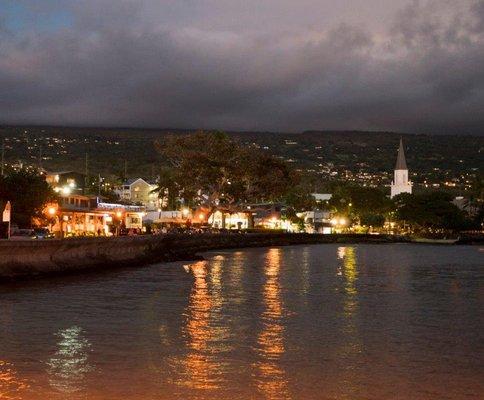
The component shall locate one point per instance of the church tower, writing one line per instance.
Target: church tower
(400, 183)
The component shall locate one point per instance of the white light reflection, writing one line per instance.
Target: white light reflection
(68, 367)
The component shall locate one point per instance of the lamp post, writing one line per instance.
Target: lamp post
(65, 219)
(119, 216)
(52, 211)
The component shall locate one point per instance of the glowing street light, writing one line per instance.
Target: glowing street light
(341, 221)
(52, 211)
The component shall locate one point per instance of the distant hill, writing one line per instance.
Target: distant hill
(355, 155)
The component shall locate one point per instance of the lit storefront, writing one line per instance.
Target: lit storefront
(78, 215)
(229, 220)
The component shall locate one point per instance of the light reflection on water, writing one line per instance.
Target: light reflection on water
(198, 362)
(304, 322)
(68, 367)
(351, 346)
(270, 376)
(12, 386)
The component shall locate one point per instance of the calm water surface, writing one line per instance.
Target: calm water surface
(302, 322)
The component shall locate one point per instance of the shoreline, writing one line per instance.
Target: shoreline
(21, 260)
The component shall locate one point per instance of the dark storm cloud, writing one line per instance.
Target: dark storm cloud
(136, 63)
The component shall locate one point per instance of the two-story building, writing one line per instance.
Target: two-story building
(78, 215)
(139, 191)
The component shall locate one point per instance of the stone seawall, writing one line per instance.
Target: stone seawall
(19, 259)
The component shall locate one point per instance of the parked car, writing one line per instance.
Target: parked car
(42, 233)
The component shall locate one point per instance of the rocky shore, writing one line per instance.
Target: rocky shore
(27, 259)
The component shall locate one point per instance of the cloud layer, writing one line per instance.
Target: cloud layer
(251, 65)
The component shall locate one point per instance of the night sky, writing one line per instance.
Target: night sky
(279, 65)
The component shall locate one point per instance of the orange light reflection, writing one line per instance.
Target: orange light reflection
(270, 377)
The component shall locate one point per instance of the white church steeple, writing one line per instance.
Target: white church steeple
(400, 183)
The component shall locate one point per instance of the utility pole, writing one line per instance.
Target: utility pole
(3, 157)
(125, 169)
(40, 156)
(86, 172)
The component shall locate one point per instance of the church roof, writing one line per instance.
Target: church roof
(401, 162)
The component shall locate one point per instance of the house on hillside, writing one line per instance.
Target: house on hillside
(66, 182)
(139, 191)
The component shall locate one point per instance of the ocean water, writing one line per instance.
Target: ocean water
(300, 322)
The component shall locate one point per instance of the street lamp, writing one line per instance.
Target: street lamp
(119, 216)
(52, 214)
(65, 218)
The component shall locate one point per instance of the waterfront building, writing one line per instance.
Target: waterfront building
(228, 218)
(270, 216)
(79, 215)
(170, 217)
(139, 191)
(317, 221)
(400, 183)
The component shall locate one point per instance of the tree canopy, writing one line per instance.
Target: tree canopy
(211, 168)
(368, 205)
(432, 211)
(28, 192)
